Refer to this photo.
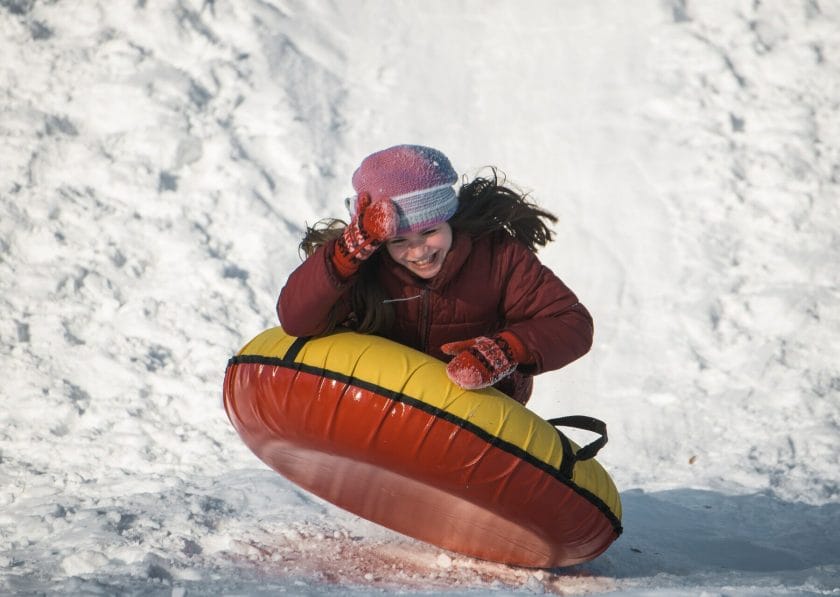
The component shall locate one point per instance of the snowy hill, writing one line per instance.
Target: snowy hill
(159, 160)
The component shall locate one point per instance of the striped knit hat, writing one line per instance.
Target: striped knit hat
(419, 180)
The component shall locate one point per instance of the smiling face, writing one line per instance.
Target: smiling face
(422, 253)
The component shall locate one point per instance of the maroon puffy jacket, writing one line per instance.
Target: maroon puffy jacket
(486, 285)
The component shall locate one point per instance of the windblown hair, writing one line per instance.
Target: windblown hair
(485, 206)
(320, 234)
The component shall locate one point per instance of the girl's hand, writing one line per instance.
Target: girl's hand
(481, 362)
(374, 222)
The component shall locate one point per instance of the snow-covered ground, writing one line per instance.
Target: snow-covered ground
(159, 158)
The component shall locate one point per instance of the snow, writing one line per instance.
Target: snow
(160, 158)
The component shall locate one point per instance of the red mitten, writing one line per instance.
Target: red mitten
(483, 361)
(373, 223)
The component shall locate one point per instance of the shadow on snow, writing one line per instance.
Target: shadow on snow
(686, 532)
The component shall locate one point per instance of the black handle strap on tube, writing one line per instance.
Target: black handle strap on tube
(586, 452)
(294, 349)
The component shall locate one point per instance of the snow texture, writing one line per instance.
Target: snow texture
(160, 158)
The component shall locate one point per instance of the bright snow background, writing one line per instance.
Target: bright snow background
(160, 157)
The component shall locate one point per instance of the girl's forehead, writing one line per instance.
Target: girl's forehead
(425, 232)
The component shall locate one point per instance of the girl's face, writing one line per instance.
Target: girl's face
(422, 253)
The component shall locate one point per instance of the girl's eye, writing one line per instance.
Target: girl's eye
(396, 241)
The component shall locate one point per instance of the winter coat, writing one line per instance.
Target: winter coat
(486, 285)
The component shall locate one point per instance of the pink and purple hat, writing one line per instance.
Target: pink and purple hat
(419, 180)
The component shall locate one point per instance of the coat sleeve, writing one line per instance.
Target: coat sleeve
(542, 311)
(311, 295)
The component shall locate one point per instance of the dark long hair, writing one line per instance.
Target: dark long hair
(485, 205)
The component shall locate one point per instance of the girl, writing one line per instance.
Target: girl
(458, 277)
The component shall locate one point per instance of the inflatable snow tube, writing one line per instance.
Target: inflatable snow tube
(378, 429)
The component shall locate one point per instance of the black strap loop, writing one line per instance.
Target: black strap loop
(588, 451)
(294, 349)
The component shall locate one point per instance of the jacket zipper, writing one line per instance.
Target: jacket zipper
(424, 319)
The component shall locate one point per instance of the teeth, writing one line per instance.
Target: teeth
(425, 261)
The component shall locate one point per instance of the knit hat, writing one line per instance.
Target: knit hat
(419, 180)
